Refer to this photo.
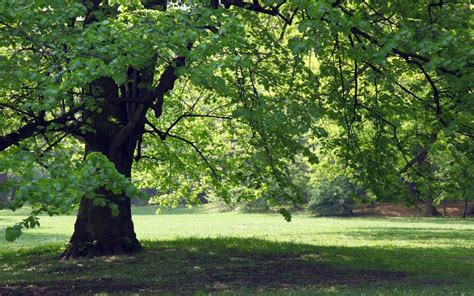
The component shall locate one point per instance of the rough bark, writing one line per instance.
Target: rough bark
(96, 231)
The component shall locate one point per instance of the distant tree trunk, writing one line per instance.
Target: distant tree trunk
(3, 195)
(425, 164)
(202, 197)
(430, 209)
(465, 208)
(12, 194)
(444, 207)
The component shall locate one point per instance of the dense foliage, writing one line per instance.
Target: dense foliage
(204, 96)
(334, 198)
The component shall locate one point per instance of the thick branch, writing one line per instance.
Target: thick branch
(408, 56)
(128, 130)
(257, 7)
(166, 83)
(31, 129)
(254, 6)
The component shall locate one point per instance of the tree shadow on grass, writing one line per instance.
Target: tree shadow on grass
(184, 266)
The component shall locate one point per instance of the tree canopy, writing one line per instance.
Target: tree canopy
(223, 96)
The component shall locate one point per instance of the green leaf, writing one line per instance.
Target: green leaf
(285, 213)
(12, 233)
(114, 209)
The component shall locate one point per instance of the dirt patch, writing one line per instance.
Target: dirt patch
(280, 273)
(73, 288)
(450, 209)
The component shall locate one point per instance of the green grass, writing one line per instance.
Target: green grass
(192, 250)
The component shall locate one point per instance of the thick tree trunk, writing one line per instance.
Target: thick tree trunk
(96, 231)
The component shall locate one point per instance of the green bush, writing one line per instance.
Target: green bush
(333, 198)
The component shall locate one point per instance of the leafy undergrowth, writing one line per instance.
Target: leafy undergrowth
(195, 251)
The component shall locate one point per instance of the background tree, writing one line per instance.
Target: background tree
(201, 96)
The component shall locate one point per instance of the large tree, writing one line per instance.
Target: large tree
(202, 95)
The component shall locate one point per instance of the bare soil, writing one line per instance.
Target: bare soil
(450, 209)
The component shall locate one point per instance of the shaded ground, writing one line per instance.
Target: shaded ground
(196, 250)
(187, 266)
(451, 209)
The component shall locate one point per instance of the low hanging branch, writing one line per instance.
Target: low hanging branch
(38, 126)
(213, 170)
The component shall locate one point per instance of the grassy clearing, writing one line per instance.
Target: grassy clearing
(231, 253)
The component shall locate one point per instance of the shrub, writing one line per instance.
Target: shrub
(333, 198)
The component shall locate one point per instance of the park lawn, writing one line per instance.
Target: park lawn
(203, 251)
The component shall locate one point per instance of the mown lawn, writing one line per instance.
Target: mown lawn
(201, 251)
